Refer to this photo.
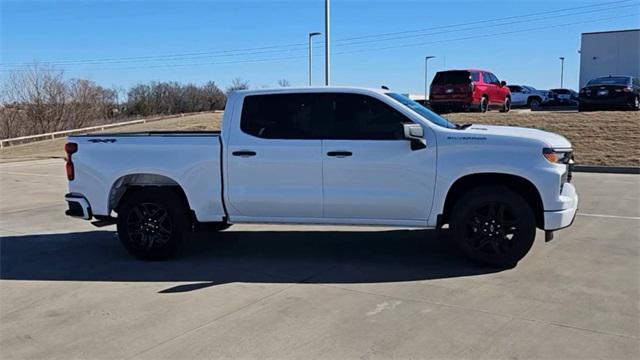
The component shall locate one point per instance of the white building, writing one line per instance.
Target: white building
(609, 53)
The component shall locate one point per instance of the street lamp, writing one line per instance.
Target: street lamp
(311, 35)
(327, 39)
(426, 79)
(561, 71)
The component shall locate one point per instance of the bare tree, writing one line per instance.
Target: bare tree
(237, 84)
(39, 100)
(10, 122)
(39, 92)
(283, 83)
(214, 96)
(88, 103)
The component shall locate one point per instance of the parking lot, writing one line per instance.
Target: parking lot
(69, 290)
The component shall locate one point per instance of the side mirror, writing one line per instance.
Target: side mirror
(503, 83)
(415, 134)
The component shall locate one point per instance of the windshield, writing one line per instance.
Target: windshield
(422, 111)
(621, 80)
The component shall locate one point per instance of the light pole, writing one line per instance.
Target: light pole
(327, 39)
(561, 71)
(426, 79)
(311, 35)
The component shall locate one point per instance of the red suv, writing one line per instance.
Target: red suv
(468, 90)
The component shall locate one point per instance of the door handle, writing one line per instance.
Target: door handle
(244, 153)
(339, 154)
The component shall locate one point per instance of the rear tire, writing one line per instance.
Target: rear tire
(635, 104)
(484, 104)
(153, 223)
(507, 105)
(583, 108)
(493, 226)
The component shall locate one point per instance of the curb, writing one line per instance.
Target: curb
(607, 169)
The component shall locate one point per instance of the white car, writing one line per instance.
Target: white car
(523, 95)
(327, 155)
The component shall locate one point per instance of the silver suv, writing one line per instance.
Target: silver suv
(524, 95)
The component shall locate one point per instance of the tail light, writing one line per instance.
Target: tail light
(472, 85)
(70, 149)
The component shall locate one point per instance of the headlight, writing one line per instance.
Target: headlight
(557, 156)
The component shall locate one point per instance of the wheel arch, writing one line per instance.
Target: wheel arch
(518, 184)
(126, 185)
(532, 97)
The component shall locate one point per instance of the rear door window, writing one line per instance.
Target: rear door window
(486, 77)
(279, 116)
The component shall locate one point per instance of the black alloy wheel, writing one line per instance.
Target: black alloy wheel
(153, 223)
(149, 225)
(494, 226)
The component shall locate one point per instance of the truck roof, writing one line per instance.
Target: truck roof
(312, 89)
(465, 70)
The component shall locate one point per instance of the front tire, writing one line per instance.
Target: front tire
(493, 226)
(153, 223)
(534, 103)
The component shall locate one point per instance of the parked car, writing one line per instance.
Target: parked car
(562, 97)
(327, 155)
(610, 92)
(468, 90)
(523, 95)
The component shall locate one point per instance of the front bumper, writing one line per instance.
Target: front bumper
(78, 206)
(559, 219)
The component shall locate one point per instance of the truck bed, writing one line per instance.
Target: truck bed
(189, 159)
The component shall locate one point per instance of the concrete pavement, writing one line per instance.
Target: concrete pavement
(68, 290)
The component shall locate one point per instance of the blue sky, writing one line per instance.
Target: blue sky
(121, 43)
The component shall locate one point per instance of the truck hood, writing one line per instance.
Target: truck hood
(551, 139)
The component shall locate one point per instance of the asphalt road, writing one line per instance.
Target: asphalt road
(68, 290)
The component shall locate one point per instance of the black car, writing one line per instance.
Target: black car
(562, 97)
(610, 92)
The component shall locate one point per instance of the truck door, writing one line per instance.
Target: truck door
(274, 163)
(492, 87)
(370, 171)
(518, 96)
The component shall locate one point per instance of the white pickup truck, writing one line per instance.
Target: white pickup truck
(327, 155)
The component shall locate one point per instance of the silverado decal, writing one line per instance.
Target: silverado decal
(466, 138)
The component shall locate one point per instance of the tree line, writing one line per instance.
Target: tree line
(40, 100)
